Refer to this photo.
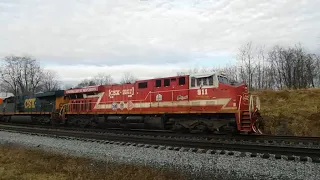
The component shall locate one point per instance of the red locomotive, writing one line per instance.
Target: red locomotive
(204, 102)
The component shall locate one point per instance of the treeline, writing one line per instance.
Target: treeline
(105, 79)
(261, 68)
(24, 76)
(274, 68)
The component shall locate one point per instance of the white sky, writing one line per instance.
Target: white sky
(78, 38)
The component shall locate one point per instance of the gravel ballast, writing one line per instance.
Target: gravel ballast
(204, 165)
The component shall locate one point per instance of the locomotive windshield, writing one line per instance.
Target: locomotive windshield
(208, 80)
(223, 79)
(203, 80)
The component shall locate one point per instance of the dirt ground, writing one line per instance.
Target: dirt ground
(21, 164)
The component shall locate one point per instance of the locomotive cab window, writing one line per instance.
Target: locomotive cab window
(158, 83)
(166, 82)
(223, 79)
(182, 80)
(193, 82)
(142, 85)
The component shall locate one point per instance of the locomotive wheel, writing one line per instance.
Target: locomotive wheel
(44, 120)
(179, 128)
(200, 128)
(93, 124)
(84, 121)
(72, 121)
(54, 122)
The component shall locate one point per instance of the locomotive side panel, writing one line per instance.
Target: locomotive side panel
(191, 102)
(116, 99)
(170, 95)
(209, 95)
(146, 97)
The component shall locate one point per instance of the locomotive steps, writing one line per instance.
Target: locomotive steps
(282, 149)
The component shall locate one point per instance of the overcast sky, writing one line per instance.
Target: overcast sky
(78, 38)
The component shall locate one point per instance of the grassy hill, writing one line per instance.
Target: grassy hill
(291, 112)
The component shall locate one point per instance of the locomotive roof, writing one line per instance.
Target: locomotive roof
(200, 75)
(166, 77)
(4, 95)
(51, 93)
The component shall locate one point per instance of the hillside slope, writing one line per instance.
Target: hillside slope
(291, 112)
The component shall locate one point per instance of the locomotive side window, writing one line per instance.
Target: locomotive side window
(193, 82)
(158, 83)
(166, 82)
(182, 80)
(205, 81)
(142, 85)
(210, 80)
(199, 82)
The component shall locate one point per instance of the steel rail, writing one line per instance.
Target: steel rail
(177, 142)
(262, 139)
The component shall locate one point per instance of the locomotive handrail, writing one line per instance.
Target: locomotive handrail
(142, 100)
(136, 100)
(256, 97)
(252, 105)
(62, 109)
(239, 107)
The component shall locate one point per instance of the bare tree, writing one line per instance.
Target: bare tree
(21, 75)
(293, 67)
(246, 58)
(102, 79)
(99, 79)
(50, 81)
(317, 71)
(68, 86)
(127, 78)
(275, 68)
(86, 83)
(190, 71)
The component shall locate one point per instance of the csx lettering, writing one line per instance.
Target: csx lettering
(128, 92)
(115, 92)
(29, 103)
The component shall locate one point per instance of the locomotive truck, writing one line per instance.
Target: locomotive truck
(188, 103)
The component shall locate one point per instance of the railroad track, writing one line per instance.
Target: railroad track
(294, 141)
(177, 143)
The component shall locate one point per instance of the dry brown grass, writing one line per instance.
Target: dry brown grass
(291, 112)
(20, 163)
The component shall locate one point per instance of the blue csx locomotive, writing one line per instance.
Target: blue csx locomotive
(28, 109)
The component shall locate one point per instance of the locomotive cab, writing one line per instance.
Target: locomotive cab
(204, 80)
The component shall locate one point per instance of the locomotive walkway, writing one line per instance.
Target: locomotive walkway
(290, 147)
